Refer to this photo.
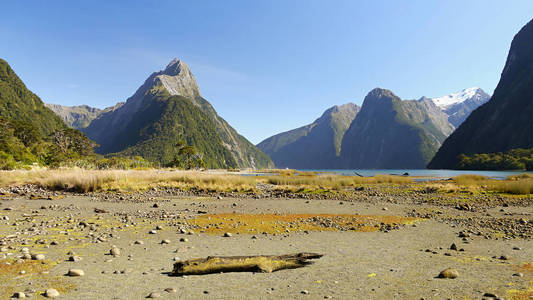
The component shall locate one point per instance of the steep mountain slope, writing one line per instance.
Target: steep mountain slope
(31, 133)
(390, 133)
(19, 104)
(314, 146)
(504, 122)
(151, 121)
(80, 116)
(458, 106)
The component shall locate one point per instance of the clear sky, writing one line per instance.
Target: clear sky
(266, 66)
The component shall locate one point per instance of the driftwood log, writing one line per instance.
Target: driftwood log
(260, 263)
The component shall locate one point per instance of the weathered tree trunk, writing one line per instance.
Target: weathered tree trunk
(260, 263)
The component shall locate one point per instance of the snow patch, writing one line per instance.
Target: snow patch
(459, 97)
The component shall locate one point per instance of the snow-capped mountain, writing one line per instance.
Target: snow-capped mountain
(458, 106)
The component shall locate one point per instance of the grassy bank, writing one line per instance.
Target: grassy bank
(516, 184)
(79, 180)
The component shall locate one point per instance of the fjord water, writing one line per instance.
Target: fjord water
(425, 173)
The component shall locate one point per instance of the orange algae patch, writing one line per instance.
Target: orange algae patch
(13, 280)
(12, 268)
(527, 269)
(277, 223)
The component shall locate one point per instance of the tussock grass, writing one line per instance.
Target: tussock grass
(79, 180)
(516, 184)
(335, 182)
(469, 179)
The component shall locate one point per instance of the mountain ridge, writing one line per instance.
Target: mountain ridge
(176, 82)
(504, 122)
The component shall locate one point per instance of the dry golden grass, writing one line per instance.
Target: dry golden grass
(516, 184)
(131, 180)
(469, 179)
(335, 182)
(80, 180)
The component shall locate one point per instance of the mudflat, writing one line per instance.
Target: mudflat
(377, 244)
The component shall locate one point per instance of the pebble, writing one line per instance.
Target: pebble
(171, 290)
(139, 243)
(74, 258)
(165, 242)
(19, 295)
(184, 240)
(154, 295)
(518, 274)
(305, 292)
(449, 273)
(490, 295)
(37, 256)
(75, 272)
(152, 231)
(453, 247)
(51, 293)
(114, 251)
(227, 234)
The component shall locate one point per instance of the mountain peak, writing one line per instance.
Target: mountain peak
(178, 79)
(175, 67)
(461, 96)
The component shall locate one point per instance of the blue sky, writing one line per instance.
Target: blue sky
(266, 66)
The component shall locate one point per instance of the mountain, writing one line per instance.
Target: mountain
(314, 146)
(31, 133)
(167, 108)
(458, 106)
(80, 116)
(389, 133)
(17, 103)
(505, 121)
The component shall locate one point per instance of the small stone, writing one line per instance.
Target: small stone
(449, 273)
(504, 257)
(114, 251)
(75, 272)
(74, 258)
(152, 232)
(184, 240)
(171, 290)
(305, 292)
(155, 205)
(158, 227)
(517, 248)
(165, 242)
(51, 293)
(384, 208)
(518, 274)
(37, 256)
(139, 243)
(453, 247)
(490, 295)
(19, 295)
(227, 234)
(154, 295)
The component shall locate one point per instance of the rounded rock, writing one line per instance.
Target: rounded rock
(37, 256)
(154, 295)
(51, 293)
(449, 273)
(75, 272)
(19, 295)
